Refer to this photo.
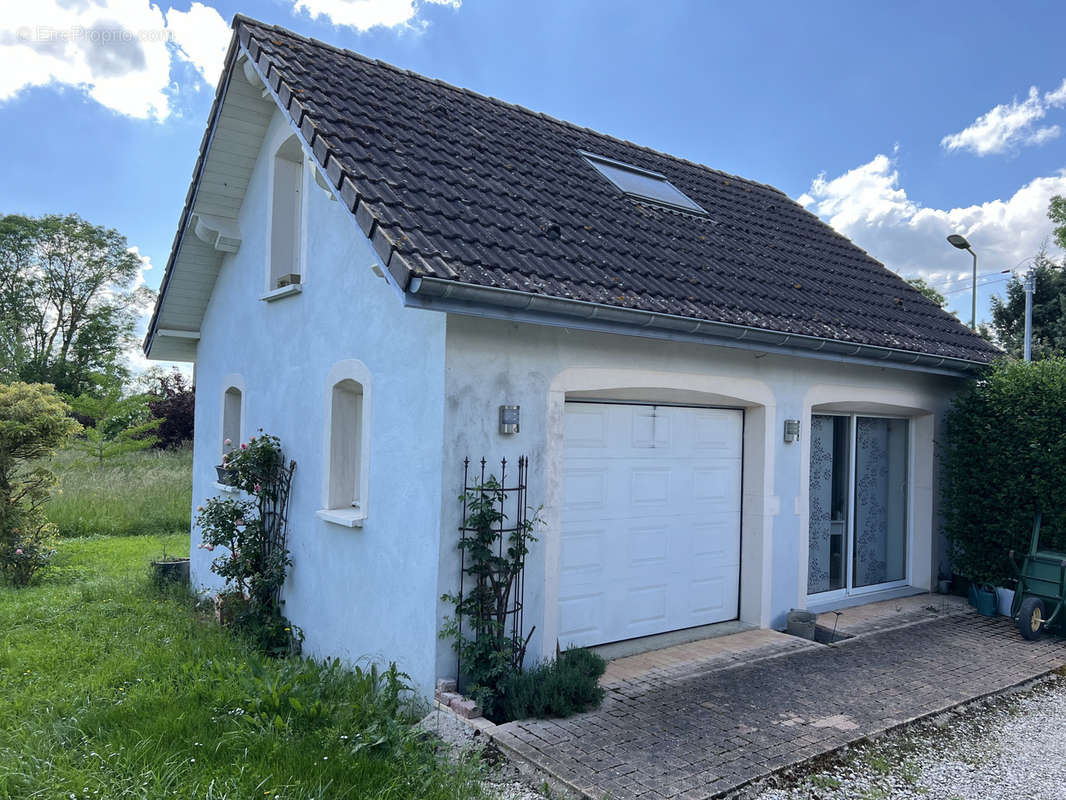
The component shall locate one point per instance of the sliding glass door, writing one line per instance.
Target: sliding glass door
(858, 504)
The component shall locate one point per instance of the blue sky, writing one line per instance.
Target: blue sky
(896, 122)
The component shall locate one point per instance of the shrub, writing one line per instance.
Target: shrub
(34, 421)
(1004, 459)
(174, 404)
(563, 687)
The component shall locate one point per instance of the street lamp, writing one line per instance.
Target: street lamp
(961, 243)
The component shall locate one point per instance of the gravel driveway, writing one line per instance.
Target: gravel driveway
(1007, 747)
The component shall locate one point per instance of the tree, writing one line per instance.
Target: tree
(34, 422)
(119, 423)
(1057, 213)
(68, 300)
(1049, 312)
(173, 403)
(928, 290)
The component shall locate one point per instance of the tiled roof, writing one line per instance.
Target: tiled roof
(471, 189)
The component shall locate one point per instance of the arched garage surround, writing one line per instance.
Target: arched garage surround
(759, 502)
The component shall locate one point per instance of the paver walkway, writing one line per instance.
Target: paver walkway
(683, 732)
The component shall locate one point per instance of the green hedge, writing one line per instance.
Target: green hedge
(1005, 458)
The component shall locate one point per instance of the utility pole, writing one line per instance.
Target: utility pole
(1030, 287)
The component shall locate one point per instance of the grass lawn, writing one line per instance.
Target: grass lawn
(137, 493)
(113, 690)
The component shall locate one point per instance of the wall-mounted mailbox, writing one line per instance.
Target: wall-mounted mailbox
(508, 419)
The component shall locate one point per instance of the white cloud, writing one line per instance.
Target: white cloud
(119, 52)
(202, 36)
(366, 14)
(868, 205)
(1057, 98)
(1008, 126)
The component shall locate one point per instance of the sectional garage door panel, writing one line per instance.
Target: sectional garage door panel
(650, 538)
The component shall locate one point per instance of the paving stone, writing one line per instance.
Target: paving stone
(710, 727)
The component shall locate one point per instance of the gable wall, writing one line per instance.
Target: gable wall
(491, 362)
(356, 593)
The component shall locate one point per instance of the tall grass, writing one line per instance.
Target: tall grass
(149, 492)
(112, 690)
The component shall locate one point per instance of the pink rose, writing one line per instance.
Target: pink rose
(257, 487)
(251, 438)
(228, 442)
(209, 547)
(244, 446)
(18, 551)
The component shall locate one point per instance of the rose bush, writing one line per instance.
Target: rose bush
(253, 560)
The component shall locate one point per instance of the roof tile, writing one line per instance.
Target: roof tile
(469, 188)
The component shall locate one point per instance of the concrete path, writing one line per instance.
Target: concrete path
(703, 726)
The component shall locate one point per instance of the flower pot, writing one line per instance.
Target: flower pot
(986, 601)
(801, 623)
(171, 570)
(226, 476)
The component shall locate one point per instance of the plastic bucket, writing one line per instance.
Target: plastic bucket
(986, 601)
(1004, 600)
(802, 623)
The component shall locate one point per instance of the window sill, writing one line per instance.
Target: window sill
(348, 518)
(284, 291)
(225, 487)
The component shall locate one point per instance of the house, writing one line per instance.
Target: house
(729, 409)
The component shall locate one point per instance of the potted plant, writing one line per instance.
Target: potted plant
(170, 569)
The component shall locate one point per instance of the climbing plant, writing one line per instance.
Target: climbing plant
(486, 628)
(251, 533)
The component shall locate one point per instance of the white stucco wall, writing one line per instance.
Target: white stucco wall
(435, 383)
(490, 363)
(363, 592)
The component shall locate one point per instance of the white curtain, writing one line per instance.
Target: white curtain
(880, 500)
(821, 499)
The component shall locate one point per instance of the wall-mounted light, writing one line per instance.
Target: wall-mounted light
(509, 419)
(792, 430)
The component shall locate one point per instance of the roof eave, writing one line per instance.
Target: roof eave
(513, 305)
(190, 198)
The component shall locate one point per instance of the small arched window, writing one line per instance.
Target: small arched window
(345, 445)
(232, 403)
(286, 212)
(347, 451)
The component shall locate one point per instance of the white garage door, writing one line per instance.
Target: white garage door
(650, 520)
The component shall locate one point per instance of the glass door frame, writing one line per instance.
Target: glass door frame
(848, 590)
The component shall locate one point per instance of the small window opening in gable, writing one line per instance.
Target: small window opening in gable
(642, 184)
(346, 469)
(231, 419)
(285, 219)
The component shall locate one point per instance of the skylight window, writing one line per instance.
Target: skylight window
(642, 184)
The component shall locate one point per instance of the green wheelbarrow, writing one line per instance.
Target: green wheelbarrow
(1041, 591)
